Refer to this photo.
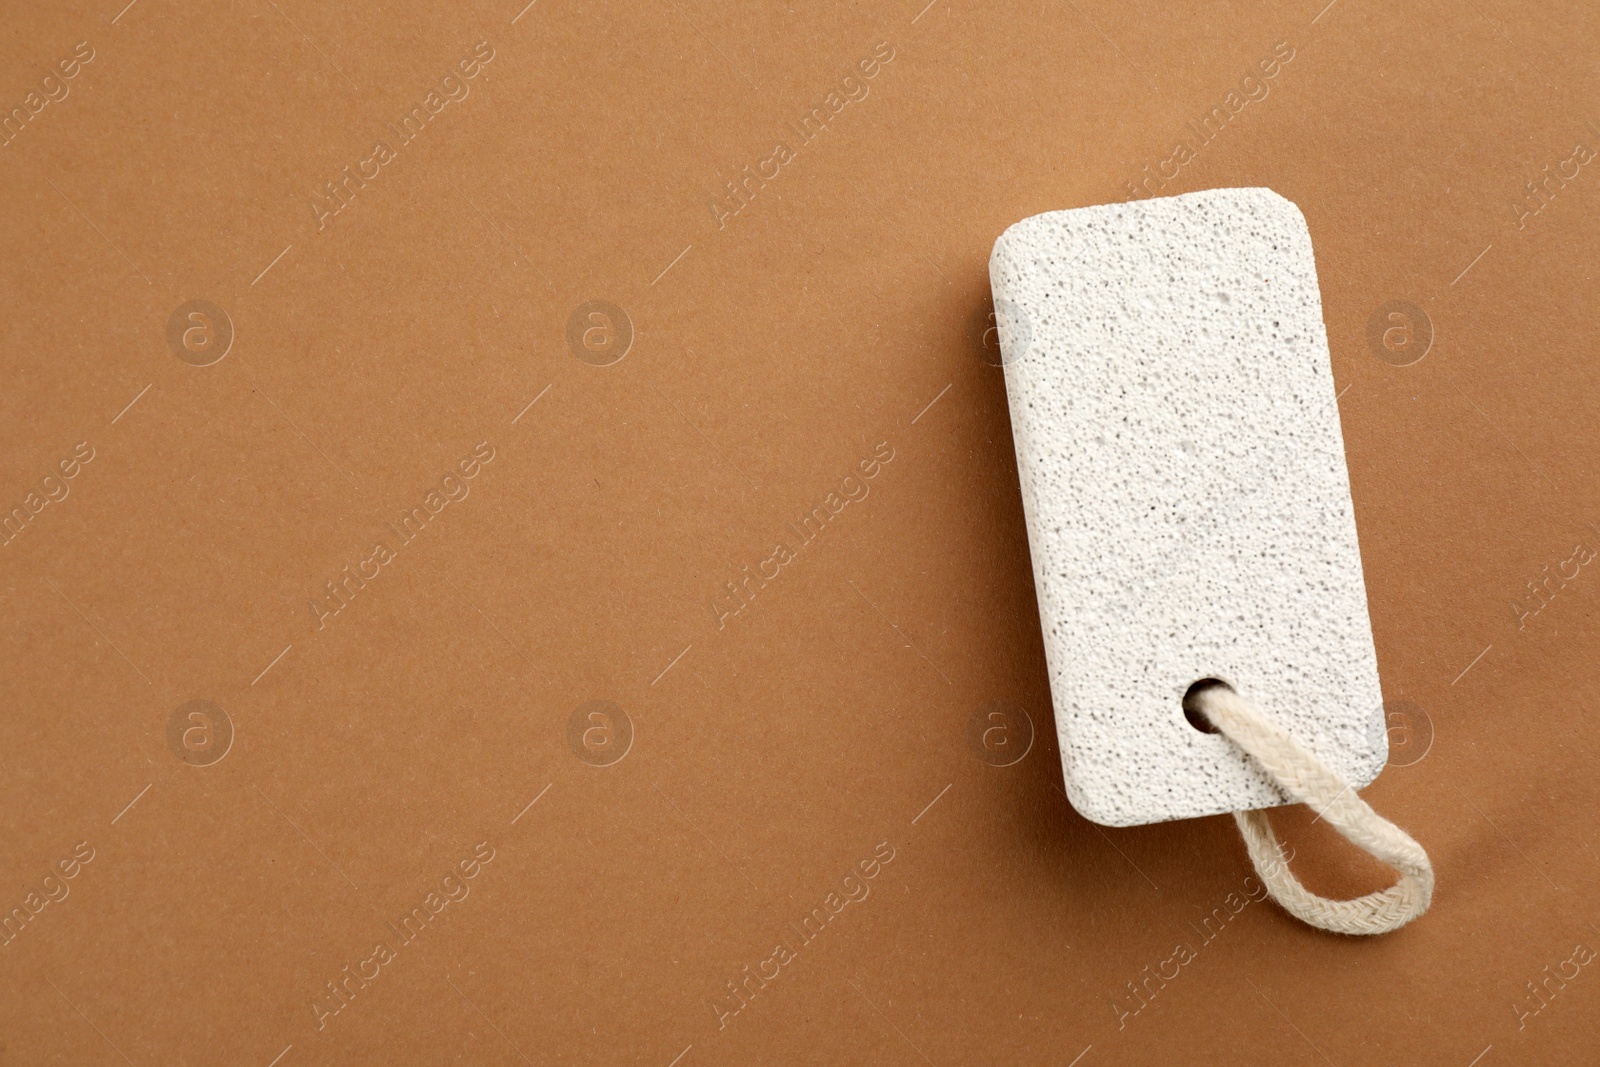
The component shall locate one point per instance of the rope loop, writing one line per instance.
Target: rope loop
(1307, 779)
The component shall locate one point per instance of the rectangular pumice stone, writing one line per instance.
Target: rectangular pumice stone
(1188, 506)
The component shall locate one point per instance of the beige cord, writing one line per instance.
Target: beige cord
(1307, 779)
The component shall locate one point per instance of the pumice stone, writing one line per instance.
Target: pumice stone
(1188, 507)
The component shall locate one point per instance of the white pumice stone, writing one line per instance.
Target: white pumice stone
(1188, 506)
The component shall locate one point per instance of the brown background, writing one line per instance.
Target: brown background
(770, 755)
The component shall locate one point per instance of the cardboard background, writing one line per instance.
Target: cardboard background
(846, 305)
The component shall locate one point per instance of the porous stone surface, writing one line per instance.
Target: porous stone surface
(1188, 506)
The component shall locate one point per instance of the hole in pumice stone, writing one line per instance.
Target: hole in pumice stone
(1191, 704)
